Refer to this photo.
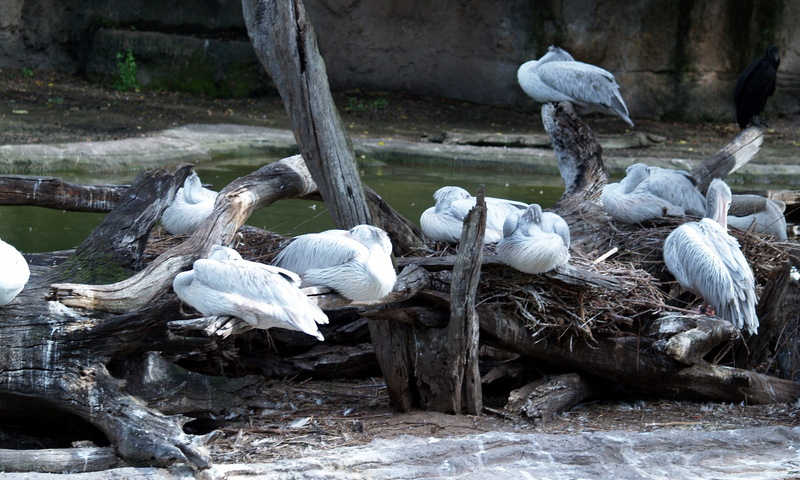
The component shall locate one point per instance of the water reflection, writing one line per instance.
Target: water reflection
(408, 188)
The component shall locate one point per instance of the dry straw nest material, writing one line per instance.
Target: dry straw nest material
(551, 306)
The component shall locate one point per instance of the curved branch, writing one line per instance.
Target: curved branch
(287, 178)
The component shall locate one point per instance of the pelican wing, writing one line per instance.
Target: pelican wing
(676, 187)
(320, 250)
(707, 261)
(637, 206)
(585, 84)
(553, 223)
(260, 294)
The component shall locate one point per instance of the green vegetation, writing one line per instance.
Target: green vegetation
(126, 72)
(360, 105)
(26, 72)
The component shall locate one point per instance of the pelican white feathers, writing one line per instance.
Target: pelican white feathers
(264, 296)
(14, 273)
(651, 192)
(444, 221)
(534, 241)
(762, 214)
(192, 204)
(708, 262)
(557, 77)
(357, 263)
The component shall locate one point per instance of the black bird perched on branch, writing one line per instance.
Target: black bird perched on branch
(755, 85)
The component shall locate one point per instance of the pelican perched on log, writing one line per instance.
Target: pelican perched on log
(755, 85)
(192, 204)
(557, 77)
(761, 214)
(708, 262)
(264, 296)
(651, 192)
(444, 221)
(14, 273)
(357, 263)
(534, 241)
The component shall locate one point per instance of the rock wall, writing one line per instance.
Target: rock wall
(674, 59)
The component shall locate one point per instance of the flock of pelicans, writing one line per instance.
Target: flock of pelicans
(357, 263)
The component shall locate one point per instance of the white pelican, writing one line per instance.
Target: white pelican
(534, 241)
(708, 262)
(192, 204)
(262, 295)
(14, 273)
(755, 85)
(763, 214)
(651, 192)
(557, 77)
(357, 263)
(444, 221)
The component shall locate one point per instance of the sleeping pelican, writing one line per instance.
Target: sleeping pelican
(264, 296)
(557, 77)
(762, 214)
(192, 204)
(651, 192)
(534, 241)
(444, 221)
(708, 262)
(357, 263)
(14, 273)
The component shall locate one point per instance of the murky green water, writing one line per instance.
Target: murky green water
(407, 188)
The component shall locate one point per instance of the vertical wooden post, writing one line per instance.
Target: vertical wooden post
(429, 357)
(286, 45)
(463, 377)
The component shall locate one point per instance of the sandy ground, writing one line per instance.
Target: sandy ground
(313, 416)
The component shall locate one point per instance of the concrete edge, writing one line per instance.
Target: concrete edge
(200, 143)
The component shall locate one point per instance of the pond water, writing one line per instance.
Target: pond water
(408, 188)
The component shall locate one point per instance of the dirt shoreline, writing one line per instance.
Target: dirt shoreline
(48, 108)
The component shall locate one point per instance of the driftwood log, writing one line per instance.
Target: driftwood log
(80, 335)
(80, 351)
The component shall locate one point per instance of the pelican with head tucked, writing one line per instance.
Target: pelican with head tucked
(651, 192)
(264, 296)
(534, 241)
(193, 203)
(708, 262)
(357, 263)
(762, 214)
(557, 77)
(14, 273)
(444, 221)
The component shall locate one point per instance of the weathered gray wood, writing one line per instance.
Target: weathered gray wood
(638, 368)
(287, 178)
(58, 460)
(463, 376)
(60, 356)
(773, 320)
(113, 251)
(689, 347)
(547, 397)
(579, 156)
(730, 158)
(52, 192)
(286, 45)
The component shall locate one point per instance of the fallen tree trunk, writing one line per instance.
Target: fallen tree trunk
(55, 193)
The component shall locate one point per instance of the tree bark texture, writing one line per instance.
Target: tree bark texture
(286, 45)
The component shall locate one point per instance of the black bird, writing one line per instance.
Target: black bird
(755, 85)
